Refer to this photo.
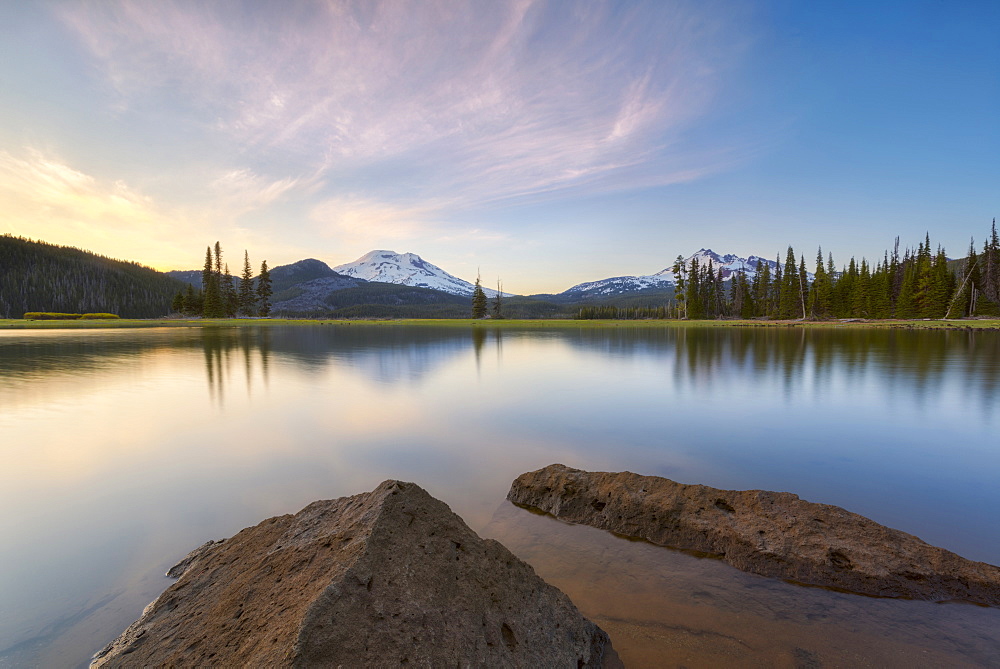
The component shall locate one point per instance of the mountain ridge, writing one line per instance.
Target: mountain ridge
(313, 280)
(38, 276)
(384, 283)
(407, 269)
(729, 263)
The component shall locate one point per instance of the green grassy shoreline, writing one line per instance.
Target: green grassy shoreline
(955, 324)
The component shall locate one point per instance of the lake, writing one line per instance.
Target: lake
(124, 449)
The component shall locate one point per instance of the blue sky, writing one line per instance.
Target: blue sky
(544, 142)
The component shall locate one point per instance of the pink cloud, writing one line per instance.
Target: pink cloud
(487, 101)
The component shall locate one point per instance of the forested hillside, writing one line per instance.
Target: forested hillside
(918, 283)
(374, 300)
(35, 276)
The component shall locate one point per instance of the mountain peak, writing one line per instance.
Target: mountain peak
(407, 269)
(285, 276)
(728, 264)
(307, 264)
(386, 253)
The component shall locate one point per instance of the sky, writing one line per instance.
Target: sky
(541, 142)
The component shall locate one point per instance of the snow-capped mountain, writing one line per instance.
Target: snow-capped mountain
(664, 279)
(407, 269)
(730, 263)
(621, 284)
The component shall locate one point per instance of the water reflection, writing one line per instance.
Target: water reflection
(387, 355)
(223, 348)
(923, 364)
(127, 448)
(674, 610)
(480, 336)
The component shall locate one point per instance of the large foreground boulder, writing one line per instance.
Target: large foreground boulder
(386, 578)
(769, 533)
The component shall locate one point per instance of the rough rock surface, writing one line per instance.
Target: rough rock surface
(386, 578)
(769, 533)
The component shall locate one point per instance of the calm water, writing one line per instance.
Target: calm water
(124, 449)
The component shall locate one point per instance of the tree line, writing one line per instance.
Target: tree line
(919, 283)
(480, 303)
(611, 312)
(220, 296)
(35, 276)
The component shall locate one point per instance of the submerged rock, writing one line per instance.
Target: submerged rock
(768, 533)
(385, 578)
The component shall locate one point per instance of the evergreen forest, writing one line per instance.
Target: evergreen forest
(917, 283)
(35, 276)
(911, 283)
(223, 296)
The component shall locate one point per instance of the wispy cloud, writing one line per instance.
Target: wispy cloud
(457, 99)
(356, 221)
(245, 190)
(43, 197)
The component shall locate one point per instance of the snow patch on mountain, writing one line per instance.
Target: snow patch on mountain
(622, 284)
(729, 263)
(407, 269)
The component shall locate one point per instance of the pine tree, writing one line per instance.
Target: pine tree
(970, 284)
(881, 290)
(895, 274)
(762, 289)
(861, 293)
(736, 298)
(803, 286)
(710, 291)
(218, 258)
(680, 286)
(906, 304)
(722, 307)
(844, 290)
(212, 304)
(190, 305)
(788, 306)
(924, 280)
(748, 309)
(738, 293)
(264, 291)
(819, 292)
(177, 304)
(988, 302)
(247, 299)
(694, 305)
(990, 261)
(478, 300)
(774, 299)
(497, 303)
(230, 298)
(942, 285)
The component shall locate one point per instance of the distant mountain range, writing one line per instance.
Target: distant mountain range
(664, 279)
(380, 283)
(404, 269)
(311, 286)
(384, 283)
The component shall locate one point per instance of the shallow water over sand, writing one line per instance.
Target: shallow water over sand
(124, 449)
